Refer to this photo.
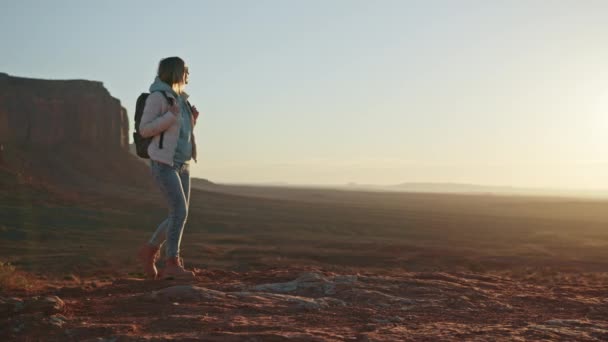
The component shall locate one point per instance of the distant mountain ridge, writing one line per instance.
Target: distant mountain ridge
(481, 189)
(426, 187)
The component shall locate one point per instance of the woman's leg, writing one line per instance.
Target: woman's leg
(160, 235)
(184, 175)
(170, 184)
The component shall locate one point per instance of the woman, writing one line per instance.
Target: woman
(167, 111)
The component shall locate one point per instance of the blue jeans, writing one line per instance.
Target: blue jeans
(174, 184)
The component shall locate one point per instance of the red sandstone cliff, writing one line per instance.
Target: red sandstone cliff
(50, 112)
(66, 134)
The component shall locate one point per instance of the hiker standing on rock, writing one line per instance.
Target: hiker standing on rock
(168, 118)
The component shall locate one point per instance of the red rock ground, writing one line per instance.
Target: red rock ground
(311, 304)
(309, 266)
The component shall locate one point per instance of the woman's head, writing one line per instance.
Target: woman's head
(174, 72)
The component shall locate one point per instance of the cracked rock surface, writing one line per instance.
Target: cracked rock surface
(313, 305)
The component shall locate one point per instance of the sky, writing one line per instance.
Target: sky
(345, 91)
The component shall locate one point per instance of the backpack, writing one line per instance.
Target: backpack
(141, 143)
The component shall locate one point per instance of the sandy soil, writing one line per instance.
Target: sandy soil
(308, 266)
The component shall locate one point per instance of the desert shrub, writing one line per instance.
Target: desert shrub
(11, 279)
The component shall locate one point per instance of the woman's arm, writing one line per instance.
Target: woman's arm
(153, 122)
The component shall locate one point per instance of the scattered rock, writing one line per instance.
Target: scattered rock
(48, 305)
(309, 281)
(57, 320)
(185, 293)
(10, 306)
(297, 302)
(37, 322)
(377, 298)
(71, 277)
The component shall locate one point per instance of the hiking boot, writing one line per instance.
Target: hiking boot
(174, 269)
(148, 255)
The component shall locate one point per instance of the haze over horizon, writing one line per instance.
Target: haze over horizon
(317, 92)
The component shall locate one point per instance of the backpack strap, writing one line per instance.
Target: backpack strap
(169, 100)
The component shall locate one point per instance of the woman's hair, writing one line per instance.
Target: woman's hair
(172, 70)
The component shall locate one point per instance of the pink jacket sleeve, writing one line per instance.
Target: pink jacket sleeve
(153, 120)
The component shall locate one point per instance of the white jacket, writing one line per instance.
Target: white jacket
(156, 118)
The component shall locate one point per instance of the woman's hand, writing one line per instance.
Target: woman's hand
(194, 112)
(174, 108)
